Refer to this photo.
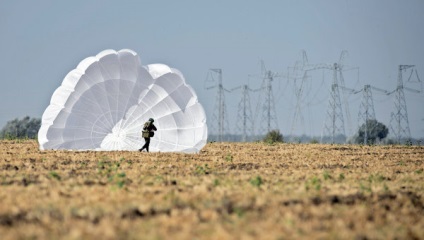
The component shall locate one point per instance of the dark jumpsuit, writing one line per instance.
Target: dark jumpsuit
(150, 127)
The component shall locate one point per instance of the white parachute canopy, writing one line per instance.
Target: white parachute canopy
(104, 103)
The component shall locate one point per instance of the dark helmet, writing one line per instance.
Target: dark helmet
(151, 120)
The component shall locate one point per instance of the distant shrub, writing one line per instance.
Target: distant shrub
(273, 136)
(371, 132)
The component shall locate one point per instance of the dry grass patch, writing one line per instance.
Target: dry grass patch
(228, 190)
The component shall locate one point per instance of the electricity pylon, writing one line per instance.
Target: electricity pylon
(399, 123)
(268, 116)
(244, 124)
(366, 109)
(299, 76)
(219, 117)
(334, 124)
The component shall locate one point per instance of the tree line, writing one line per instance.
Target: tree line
(371, 132)
(21, 128)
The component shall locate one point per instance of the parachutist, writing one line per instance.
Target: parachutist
(148, 132)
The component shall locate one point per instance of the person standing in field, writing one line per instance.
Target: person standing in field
(148, 132)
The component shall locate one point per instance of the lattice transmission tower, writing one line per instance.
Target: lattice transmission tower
(219, 123)
(298, 74)
(399, 124)
(366, 109)
(245, 121)
(334, 124)
(266, 108)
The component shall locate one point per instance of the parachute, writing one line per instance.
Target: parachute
(104, 103)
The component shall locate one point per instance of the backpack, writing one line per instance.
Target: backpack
(146, 125)
(146, 133)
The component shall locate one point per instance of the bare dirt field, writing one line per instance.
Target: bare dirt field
(227, 191)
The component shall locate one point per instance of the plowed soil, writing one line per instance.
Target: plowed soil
(227, 191)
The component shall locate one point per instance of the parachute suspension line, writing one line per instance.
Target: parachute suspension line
(105, 81)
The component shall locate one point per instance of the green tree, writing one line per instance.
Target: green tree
(273, 136)
(24, 128)
(371, 132)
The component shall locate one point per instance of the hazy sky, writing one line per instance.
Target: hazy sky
(41, 41)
